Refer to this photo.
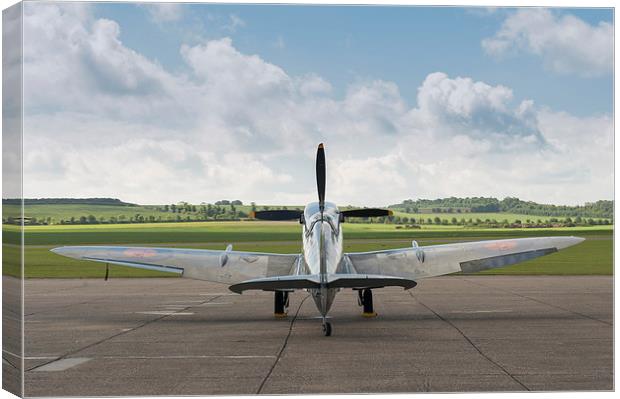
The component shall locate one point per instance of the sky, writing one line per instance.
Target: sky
(161, 103)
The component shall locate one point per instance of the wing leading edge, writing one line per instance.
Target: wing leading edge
(436, 260)
(228, 267)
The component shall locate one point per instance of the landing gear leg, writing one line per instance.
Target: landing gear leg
(366, 300)
(327, 327)
(280, 304)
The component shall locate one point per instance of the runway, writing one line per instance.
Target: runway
(449, 334)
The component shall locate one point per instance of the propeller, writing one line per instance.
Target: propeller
(285, 214)
(277, 214)
(320, 176)
(366, 213)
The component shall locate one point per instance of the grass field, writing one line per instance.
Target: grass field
(498, 216)
(65, 211)
(594, 256)
(59, 212)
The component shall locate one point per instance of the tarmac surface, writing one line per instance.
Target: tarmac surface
(173, 336)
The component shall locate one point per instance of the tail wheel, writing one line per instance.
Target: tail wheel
(327, 329)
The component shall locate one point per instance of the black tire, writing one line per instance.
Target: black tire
(367, 301)
(327, 329)
(278, 305)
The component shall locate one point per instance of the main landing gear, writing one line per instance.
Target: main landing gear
(365, 299)
(327, 327)
(280, 304)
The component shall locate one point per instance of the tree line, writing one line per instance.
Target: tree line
(598, 209)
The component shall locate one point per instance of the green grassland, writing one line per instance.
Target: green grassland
(57, 212)
(594, 256)
(200, 232)
(498, 216)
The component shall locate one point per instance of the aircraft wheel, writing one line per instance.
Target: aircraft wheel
(327, 329)
(279, 308)
(367, 301)
(369, 309)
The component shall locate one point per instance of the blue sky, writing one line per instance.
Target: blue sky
(160, 103)
(345, 44)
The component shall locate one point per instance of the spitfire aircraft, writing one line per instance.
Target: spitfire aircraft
(323, 268)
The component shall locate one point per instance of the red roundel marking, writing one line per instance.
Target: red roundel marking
(140, 253)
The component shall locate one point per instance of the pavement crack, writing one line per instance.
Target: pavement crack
(470, 342)
(541, 302)
(279, 355)
(146, 323)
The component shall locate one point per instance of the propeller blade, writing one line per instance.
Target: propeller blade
(320, 175)
(366, 213)
(277, 214)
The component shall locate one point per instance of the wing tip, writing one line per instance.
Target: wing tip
(566, 242)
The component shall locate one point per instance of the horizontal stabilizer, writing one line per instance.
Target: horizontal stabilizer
(368, 281)
(278, 283)
(310, 281)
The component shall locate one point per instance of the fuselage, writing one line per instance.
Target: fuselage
(322, 249)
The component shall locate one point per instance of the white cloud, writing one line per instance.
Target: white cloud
(234, 23)
(567, 44)
(164, 12)
(103, 120)
(461, 106)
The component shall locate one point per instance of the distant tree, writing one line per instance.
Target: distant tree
(237, 202)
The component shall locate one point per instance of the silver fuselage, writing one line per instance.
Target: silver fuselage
(322, 249)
